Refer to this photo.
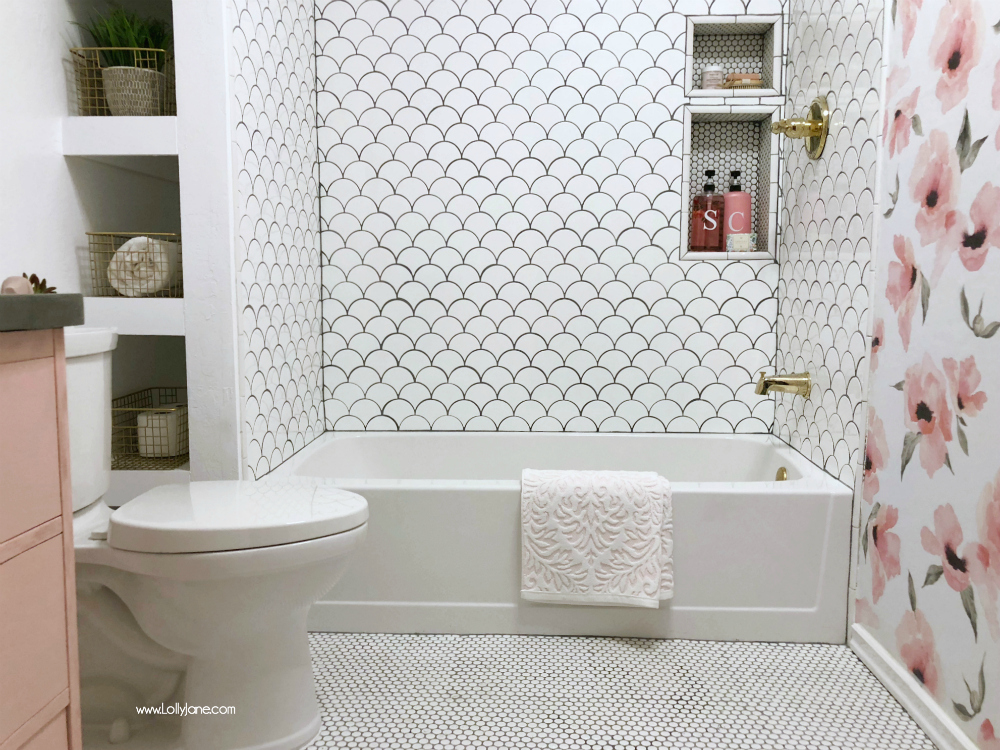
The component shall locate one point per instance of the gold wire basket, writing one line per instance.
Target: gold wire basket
(124, 81)
(149, 430)
(150, 265)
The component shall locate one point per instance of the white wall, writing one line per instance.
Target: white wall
(47, 202)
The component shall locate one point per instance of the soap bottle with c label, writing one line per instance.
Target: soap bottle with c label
(736, 233)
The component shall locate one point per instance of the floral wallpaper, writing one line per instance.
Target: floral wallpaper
(929, 550)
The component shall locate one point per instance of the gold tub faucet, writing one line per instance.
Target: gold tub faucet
(796, 382)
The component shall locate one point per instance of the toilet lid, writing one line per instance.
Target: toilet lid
(231, 515)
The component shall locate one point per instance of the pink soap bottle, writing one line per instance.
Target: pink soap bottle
(738, 212)
(706, 218)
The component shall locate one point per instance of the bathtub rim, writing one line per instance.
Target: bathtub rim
(812, 477)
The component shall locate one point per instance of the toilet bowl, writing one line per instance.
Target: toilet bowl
(195, 594)
(216, 580)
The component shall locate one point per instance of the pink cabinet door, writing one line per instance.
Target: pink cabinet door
(34, 656)
(29, 433)
(55, 736)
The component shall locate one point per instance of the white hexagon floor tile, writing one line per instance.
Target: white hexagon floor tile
(449, 692)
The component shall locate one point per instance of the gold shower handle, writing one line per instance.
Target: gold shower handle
(813, 128)
(798, 128)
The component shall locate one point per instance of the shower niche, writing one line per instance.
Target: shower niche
(737, 44)
(739, 139)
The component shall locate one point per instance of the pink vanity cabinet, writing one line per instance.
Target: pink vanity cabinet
(39, 668)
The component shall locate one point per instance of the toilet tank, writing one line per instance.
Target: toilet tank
(88, 392)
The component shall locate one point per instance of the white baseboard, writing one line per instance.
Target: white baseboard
(943, 730)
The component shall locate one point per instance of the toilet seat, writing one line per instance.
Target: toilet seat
(221, 516)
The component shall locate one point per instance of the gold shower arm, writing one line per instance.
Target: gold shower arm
(813, 128)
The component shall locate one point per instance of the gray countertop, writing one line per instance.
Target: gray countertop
(36, 312)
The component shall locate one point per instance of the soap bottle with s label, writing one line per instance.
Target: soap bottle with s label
(707, 218)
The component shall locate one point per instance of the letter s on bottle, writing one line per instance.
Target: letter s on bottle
(710, 217)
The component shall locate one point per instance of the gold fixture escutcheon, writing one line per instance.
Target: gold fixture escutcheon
(814, 128)
(782, 475)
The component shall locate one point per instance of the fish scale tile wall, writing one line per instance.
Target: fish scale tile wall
(828, 223)
(277, 232)
(500, 203)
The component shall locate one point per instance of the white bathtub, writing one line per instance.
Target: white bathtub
(754, 559)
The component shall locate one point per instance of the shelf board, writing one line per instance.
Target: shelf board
(143, 316)
(734, 93)
(756, 255)
(119, 136)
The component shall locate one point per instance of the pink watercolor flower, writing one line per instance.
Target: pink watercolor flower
(898, 131)
(876, 455)
(883, 549)
(928, 413)
(956, 48)
(878, 338)
(902, 289)
(986, 562)
(915, 643)
(987, 737)
(895, 81)
(907, 12)
(944, 542)
(934, 185)
(964, 379)
(864, 613)
(985, 215)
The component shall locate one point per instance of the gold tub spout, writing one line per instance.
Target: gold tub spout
(796, 382)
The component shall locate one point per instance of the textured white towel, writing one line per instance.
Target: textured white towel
(596, 537)
(144, 266)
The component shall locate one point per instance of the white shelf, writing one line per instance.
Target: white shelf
(756, 255)
(119, 136)
(734, 93)
(136, 317)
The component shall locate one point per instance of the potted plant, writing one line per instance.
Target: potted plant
(133, 55)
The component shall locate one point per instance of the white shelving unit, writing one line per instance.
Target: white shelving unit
(143, 316)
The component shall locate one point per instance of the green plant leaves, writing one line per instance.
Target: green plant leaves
(963, 441)
(912, 591)
(969, 604)
(910, 442)
(895, 197)
(124, 30)
(978, 325)
(934, 572)
(967, 150)
(925, 296)
(976, 697)
(917, 125)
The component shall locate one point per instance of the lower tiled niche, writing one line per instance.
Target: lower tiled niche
(727, 138)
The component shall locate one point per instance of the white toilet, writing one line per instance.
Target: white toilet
(197, 594)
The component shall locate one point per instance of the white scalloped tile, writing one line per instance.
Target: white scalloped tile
(277, 238)
(827, 231)
(500, 202)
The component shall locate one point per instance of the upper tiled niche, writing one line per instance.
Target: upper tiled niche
(501, 221)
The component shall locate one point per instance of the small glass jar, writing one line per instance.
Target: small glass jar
(712, 77)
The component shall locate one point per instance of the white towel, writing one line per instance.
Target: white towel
(144, 266)
(596, 537)
(161, 432)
